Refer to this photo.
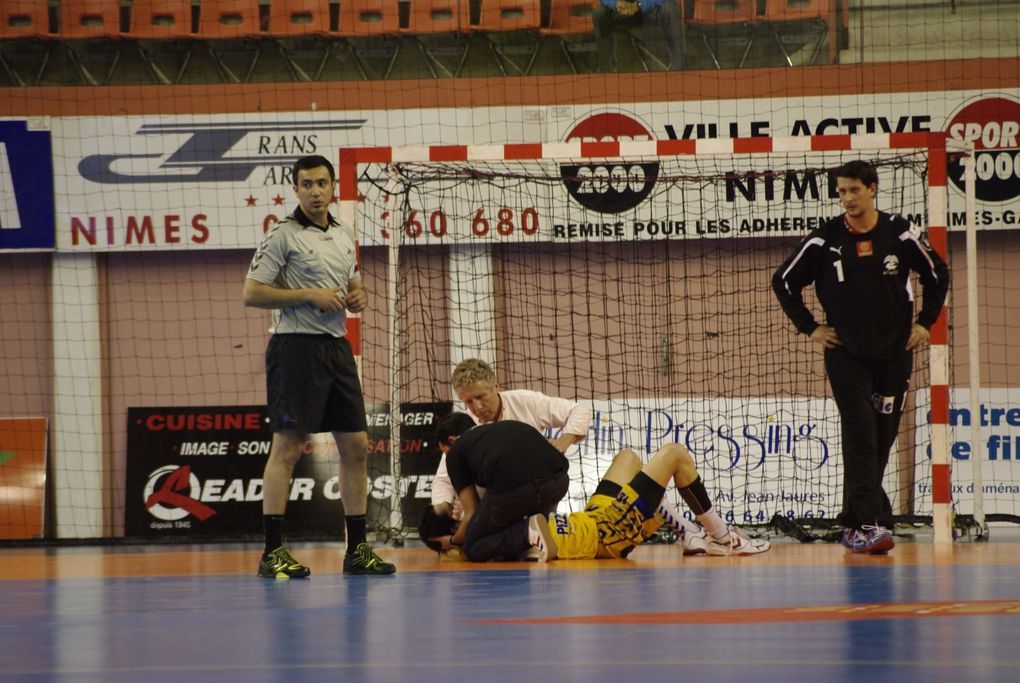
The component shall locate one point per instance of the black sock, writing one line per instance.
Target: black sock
(275, 527)
(355, 531)
(696, 497)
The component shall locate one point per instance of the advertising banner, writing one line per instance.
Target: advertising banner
(26, 186)
(757, 456)
(419, 458)
(197, 473)
(997, 446)
(219, 181)
(22, 477)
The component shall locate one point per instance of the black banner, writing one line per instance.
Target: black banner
(419, 458)
(197, 473)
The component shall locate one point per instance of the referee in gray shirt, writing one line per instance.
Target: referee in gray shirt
(306, 272)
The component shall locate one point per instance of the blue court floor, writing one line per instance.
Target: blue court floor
(798, 613)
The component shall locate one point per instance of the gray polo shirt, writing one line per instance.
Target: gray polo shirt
(297, 254)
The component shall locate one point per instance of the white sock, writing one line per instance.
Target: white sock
(676, 521)
(714, 523)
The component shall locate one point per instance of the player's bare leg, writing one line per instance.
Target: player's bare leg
(674, 462)
(284, 453)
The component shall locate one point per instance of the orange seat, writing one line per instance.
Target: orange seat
(797, 10)
(821, 11)
(24, 19)
(508, 15)
(89, 19)
(299, 17)
(720, 17)
(435, 16)
(570, 16)
(510, 29)
(569, 19)
(228, 19)
(716, 12)
(369, 18)
(160, 19)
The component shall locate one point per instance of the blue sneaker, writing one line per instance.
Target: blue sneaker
(878, 540)
(852, 540)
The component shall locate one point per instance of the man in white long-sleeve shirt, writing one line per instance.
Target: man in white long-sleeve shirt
(475, 385)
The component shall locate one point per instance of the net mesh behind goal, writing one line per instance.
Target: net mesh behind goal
(642, 289)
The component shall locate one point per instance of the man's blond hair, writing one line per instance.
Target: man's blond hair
(472, 370)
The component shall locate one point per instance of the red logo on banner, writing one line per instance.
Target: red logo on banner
(170, 494)
(610, 187)
(992, 124)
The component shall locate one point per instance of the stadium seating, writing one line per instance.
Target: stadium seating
(24, 45)
(299, 18)
(369, 18)
(568, 21)
(371, 27)
(24, 19)
(160, 19)
(228, 19)
(229, 29)
(718, 21)
(509, 30)
(497, 16)
(90, 19)
(162, 29)
(302, 32)
(436, 27)
(569, 16)
(263, 40)
(90, 31)
(435, 16)
(818, 16)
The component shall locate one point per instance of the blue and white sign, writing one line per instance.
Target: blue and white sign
(997, 448)
(26, 187)
(758, 456)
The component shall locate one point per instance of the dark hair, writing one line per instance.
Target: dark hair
(453, 424)
(313, 161)
(433, 524)
(859, 170)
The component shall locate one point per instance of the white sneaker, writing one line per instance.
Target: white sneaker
(695, 542)
(541, 538)
(733, 543)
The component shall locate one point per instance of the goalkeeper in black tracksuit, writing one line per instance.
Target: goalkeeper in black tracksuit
(860, 265)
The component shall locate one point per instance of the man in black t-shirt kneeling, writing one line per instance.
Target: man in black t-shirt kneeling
(524, 477)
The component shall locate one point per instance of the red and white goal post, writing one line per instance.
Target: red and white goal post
(635, 275)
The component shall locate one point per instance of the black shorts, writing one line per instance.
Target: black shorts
(312, 385)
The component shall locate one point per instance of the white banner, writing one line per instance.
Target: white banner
(612, 201)
(757, 456)
(997, 446)
(218, 181)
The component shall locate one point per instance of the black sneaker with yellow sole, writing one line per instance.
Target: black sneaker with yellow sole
(363, 560)
(278, 564)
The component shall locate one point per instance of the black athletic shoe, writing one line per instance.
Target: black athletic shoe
(364, 561)
(278, 564)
